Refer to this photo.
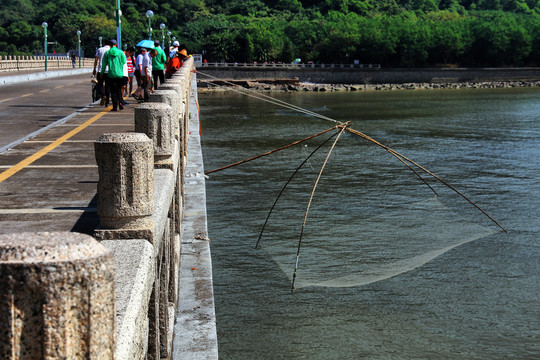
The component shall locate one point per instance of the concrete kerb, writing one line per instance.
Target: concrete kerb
(195, 329)
(13, 79)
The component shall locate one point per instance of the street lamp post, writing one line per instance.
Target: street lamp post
(44, 24)
(79, 36)
(100, 43)
(118, 25)
(169, 35)
(149, 15)
(162, 27)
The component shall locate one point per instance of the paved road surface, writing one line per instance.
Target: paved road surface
(48, 182)
(27, 107)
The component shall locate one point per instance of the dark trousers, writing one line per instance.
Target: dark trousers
(158, 74)
(115, 85)
(138, 76)
(103, 90)
(147, 86)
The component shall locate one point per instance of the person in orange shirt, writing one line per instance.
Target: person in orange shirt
(175, 63)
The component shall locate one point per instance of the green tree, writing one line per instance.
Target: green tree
(500, 40)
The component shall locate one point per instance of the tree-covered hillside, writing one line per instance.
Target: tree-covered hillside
(410, 33)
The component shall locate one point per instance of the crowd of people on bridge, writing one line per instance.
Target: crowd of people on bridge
(115, 70)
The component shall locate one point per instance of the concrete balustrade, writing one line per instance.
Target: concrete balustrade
(57, 297)
(60, 300)
(158, 295)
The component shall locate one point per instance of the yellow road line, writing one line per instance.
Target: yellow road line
(50, 141)
(29, 160)
(48, 210)
(45, 90)
(59, 86)
(25, 95)
(53, 166)
(1, 101)
(126, 124)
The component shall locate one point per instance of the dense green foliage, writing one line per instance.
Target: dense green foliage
(411, 33)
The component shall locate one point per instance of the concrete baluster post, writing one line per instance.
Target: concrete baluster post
(57, 297)
(177, 79)
(179, 89)
(156, 120)
(125, 189)
(172, 86)
(171, 98)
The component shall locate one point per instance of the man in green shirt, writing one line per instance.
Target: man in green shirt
(158, 65)
(115, 59)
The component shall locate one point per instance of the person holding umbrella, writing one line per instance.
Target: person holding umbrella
(115, 60)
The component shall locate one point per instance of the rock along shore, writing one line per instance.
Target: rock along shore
(293, 85)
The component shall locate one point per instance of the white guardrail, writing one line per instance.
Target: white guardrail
(11, 63)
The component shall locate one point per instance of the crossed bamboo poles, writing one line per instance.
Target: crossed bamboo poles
(341, 127)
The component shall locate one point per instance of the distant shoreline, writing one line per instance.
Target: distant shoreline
(295, 86)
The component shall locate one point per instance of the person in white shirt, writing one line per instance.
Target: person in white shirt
(146, 75)
(103, 90)
(138, 66)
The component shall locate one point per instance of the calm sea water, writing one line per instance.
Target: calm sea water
(479, 300)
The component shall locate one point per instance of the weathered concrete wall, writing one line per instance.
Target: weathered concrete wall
(345, 75)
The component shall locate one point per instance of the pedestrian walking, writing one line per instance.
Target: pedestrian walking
(138, 66)
(102, 85)
(158, 65)
(146, 75)
(130, 52)
(73, 59)
(115, 60)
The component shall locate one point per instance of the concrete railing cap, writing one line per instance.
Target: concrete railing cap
(122, 137)
(45, 247)
(153, 105)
